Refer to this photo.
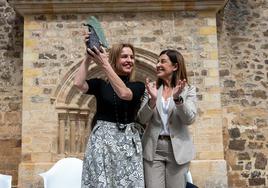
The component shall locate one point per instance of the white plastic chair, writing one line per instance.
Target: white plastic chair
(5, 181)
(188, 177)
(65, 173)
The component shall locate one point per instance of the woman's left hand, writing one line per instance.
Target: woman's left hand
(99, 56)
(151, 88)
(179, 87)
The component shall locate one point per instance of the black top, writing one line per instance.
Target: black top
(107, 98)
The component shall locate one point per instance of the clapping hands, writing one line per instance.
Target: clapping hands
(151, 88)
(179, 87)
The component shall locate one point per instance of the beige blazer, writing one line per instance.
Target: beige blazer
(179, 117)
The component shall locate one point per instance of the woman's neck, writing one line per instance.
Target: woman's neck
(167, 83)
(167, 90)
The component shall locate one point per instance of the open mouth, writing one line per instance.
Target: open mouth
(128, 65)
(159, 69)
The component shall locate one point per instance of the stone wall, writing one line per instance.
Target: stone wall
(243, 55)
(53, 47)
(11, 41)
(242, 35)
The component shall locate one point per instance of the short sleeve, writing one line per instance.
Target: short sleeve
(93, 86)
(137, 89)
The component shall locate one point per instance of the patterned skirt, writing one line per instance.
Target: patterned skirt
(113, 157)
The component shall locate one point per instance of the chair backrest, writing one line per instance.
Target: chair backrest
(5, 181)
(188, 177)
(65, 173)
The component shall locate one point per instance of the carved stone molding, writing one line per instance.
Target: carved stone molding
(25, 7)
(67, 97)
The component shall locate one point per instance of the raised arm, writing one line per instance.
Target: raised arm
(81, 75)
(120, 88)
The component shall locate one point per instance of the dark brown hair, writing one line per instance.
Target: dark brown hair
(179, 74)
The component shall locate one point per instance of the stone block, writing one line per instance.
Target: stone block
(238, 145)
(213, 113)
(211, 21)
(41, 157)
(212, 39)
(211, 30)
(213, 55)
(213, 97)
(236, 181)
(209, 173)
(212, 81)
(28, 174)
(29, 57)
(211, 64)
(206, 14)
(210, 155)
(30, 44)
(31, 25)
(261, 161)
(256, 182)
(30, 73)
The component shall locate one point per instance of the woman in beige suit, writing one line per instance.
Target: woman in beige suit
(167, 110)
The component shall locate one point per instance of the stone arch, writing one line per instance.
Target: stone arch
(66, 96)
(76, 110)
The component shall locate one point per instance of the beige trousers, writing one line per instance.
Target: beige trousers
(163, 171)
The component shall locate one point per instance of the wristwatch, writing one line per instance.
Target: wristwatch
(178, 100)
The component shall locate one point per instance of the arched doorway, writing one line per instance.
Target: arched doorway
(76, 110)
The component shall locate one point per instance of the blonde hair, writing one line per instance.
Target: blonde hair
(114, 56)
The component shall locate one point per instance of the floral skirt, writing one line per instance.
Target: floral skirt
(113, 157)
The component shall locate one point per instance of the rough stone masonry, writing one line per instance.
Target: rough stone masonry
(242, 42)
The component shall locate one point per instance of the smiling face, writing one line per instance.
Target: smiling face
(125, 62)
(170, 68)
(165, 68)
